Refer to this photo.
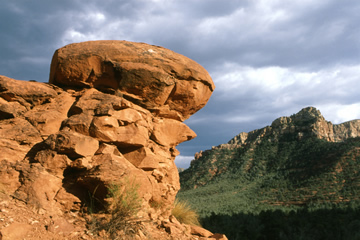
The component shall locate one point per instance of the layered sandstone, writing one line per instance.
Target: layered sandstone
(112, 110)
(164, 82)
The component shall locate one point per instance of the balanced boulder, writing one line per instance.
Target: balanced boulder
(150, 75)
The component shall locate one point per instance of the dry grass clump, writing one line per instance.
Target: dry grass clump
(121, 216)
(125, 200)
(183, 212)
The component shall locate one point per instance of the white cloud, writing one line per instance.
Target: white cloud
(239, 119)
(339, 113)
(339, 81)
(71, 35)
(97, 17)
(87, 25)
(247, 95)
(183, 161)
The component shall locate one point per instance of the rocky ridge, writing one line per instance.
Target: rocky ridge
(112, 111)
(307, 122)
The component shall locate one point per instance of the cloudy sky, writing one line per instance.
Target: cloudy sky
(268, 58)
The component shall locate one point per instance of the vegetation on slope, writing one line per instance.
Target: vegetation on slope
(250, 191)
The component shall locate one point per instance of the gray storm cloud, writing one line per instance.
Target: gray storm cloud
(268, 58)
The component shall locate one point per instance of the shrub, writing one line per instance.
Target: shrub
(124, 204)
(183, 212)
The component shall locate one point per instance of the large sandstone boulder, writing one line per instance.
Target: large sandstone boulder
(163, 81)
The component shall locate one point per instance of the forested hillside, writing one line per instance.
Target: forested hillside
(263, 184)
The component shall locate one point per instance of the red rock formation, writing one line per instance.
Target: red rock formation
(115, 114)
(166, 83)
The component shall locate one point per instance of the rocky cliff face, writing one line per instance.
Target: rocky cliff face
(112, 110)
(308, 123)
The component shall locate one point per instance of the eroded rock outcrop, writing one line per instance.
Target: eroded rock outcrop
(164, 82)
(305, 123)
(113, 110)
(270, 145)
(308, 122)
